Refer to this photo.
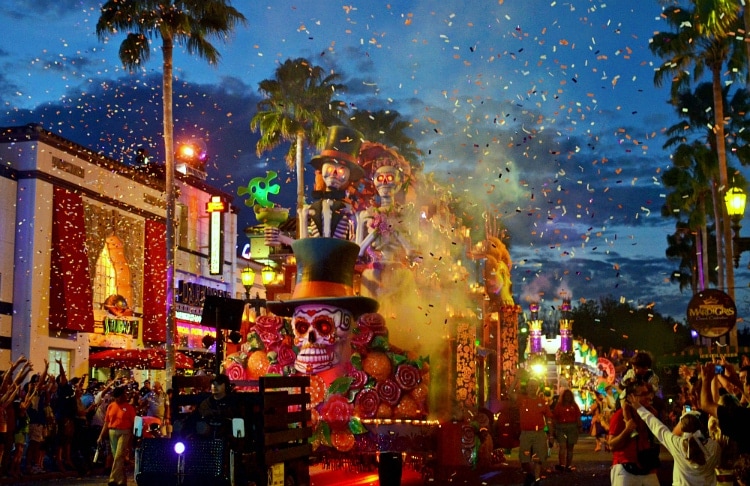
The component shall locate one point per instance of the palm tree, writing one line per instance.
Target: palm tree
(389, 128)
(187, 23)
(688, 52)
(690, 178)
(298, 105)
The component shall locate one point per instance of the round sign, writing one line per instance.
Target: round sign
(711, 313)
(607, 369)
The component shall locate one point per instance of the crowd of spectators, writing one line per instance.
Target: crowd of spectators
(706, 427)
(52, 423)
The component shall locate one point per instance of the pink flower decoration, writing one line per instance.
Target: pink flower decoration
(375, 322)
(269, 323)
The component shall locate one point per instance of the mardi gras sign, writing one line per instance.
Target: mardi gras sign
(711, 313)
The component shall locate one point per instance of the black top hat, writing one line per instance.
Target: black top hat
(342, 145)
(325, 272)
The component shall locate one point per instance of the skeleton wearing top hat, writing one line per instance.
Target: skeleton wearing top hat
(329, 216)
(323, 306)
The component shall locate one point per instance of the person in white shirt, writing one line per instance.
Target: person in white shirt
(695, 454)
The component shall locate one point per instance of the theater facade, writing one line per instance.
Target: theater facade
(83, 244)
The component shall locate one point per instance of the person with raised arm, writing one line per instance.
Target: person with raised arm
(696, 455)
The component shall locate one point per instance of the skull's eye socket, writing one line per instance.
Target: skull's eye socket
(301, 326)
(324, 325)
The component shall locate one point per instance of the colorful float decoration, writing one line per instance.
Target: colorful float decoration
(368, 393)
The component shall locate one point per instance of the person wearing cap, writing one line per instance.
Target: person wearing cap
(695, 453)
(212, 416)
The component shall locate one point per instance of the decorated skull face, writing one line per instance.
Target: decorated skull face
(320, 332)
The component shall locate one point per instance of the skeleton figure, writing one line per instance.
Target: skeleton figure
(329, 216)
(322, 334)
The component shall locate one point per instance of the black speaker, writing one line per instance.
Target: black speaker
(158, 463)
(205, 462)
(225, 312)
(204, 457)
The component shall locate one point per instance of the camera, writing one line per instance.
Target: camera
(719, 369)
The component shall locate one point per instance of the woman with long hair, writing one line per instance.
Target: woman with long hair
(695, 453)
(566, 423)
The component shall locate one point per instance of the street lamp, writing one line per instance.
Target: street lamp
(248, 279)
(268, 275)
(735, 199)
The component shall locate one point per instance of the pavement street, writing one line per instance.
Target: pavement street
(592, 470)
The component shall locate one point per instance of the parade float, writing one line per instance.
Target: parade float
(387, 315)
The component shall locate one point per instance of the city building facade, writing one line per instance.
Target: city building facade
(84, 254)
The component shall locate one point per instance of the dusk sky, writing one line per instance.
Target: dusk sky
(542, 111)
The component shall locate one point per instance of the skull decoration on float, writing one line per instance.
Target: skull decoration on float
(323, 306)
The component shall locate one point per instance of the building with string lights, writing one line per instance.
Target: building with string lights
(85, 240)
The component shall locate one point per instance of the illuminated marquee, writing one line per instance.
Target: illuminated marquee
(120, 325)
(216, 209)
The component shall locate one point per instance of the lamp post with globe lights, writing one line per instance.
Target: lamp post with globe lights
(735, 199)
(248, 280)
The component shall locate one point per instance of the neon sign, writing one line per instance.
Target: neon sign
(216, 209)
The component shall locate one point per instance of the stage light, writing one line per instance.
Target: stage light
(179, 447)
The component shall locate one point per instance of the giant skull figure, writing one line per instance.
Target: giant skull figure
(324, 305)
(321, 332)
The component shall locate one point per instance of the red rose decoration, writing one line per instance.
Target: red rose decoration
(360, 378)
(275, 369)
(337, 411)
(269, 323)
(235, 371)
(408, 376)
(388, 391)
(367, 403)
(374, 322)
(361, 337)
(285, 355)
(269, 338)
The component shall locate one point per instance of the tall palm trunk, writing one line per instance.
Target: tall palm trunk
(700, 249)
(300, 177)
(167, 50)
(724, 186)
(718, 234)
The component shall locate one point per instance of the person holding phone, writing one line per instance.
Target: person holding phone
(731, 381)
(695, 453)
(734, 422)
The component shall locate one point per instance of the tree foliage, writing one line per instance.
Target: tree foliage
(611, 324)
